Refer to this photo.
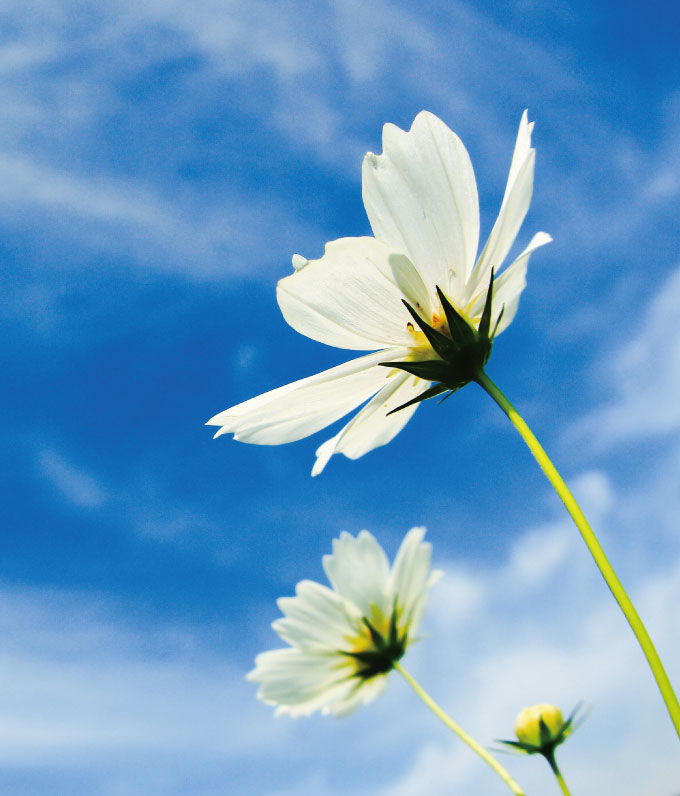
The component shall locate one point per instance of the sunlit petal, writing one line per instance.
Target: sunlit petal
(303, 407)
(514, 207)
(412, 293)
(421, 198)
(352, 297)
(373, 425)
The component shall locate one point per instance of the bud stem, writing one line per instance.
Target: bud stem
(594, 546)
(460, 732)
(558, 774)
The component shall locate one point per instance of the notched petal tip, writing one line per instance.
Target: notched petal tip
(371, 159)
(541, 238)
(299, 261)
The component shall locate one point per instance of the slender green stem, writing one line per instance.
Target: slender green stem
(460, 732)
(558, 773)
(594, 546)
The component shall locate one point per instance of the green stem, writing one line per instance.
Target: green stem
(594, 546)
(460, 732)
(558, 774)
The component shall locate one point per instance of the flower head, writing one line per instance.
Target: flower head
(415, 294)
(540, 729)
(539, 725)
(345, 640)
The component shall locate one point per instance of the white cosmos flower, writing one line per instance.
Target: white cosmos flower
(345, 640)
(421, 199)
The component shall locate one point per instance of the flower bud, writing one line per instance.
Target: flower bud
(539, 725)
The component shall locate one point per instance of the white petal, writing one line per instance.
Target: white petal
(299, 682)
(303, 407)
(372, 426)
(510, 284)
(358, 570)
(514, 208)
(299, 261)
(421, 198)
(508, 287)
(352, 296)
(317, 618)
(410, 576)
(364, 692)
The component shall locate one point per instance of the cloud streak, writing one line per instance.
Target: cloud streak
(84, 689)
(643, 378)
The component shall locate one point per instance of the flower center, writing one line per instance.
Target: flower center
(376, 651)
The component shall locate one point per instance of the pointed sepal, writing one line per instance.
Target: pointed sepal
(462, 333)
(428, 369)
(540, 729)
(485, 322)
(384, 652)
(441, 344)
(436, 389)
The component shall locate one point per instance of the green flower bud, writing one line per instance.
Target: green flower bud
(539, 725)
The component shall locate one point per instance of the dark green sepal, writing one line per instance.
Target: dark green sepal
(462, 333)
(522, 747)
(430, 392)
(393, 637)
(545, 733)
(428, 369)
(498, 321)
(463, 353)
(386, 651)
(441, 344)
(548, 744)
(485, 321)
(376, 637)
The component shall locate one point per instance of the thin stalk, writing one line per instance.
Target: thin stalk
(558, 774)
(460, 732)
(594, 546)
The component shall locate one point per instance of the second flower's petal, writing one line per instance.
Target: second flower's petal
(421, 198)
(299, 682)
(317, 618)
(373, 426)
(361, 693)
(303, 407)
(411, 577)
(516, 201)
(358, 570)
(352, 296)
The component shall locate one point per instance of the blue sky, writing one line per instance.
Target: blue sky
(159, 164)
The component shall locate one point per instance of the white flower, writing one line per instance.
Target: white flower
(421, 199)
(344, 641)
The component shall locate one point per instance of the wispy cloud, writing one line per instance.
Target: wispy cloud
(80, 683)
(85, 690)
(643, 377)
(73, 483)
(331, 80)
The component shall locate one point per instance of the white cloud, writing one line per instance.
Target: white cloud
(127, 216)
(564, 642)
(326, 70)
(138, 504)
(82, 691)
(77, 685)
(88, 689)
(73, 483)
(643, 377)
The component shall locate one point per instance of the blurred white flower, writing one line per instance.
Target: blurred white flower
(421, 199)
(344, 641)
